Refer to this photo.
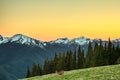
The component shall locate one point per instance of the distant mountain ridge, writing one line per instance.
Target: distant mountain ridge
(19, 38)
(19, 51)
(23, 39)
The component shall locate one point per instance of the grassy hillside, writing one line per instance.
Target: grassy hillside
(97, 73)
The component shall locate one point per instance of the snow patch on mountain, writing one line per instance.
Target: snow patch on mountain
(22, 39)
(3, 39)
(81, 40)
(60, 40)
(116, 40)
(19, 38)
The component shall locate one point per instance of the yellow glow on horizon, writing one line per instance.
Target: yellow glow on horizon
(50, 20)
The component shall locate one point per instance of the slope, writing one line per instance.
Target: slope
(98, 73)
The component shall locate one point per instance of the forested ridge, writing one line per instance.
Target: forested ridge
(99, 55)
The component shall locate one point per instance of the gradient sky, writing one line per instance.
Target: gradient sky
(51, 19)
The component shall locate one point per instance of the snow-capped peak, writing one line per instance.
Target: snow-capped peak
(116, 40)
(61, 40)
(20, 38)
(80, 40)
(1, 38)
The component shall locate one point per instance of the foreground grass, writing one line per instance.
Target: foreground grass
(97, 73)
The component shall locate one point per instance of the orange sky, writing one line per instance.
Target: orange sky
(48, 20)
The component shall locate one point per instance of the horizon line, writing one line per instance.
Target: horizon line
(59, 37)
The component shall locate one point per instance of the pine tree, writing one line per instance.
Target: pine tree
(59, 65)
(105, 55)
(95, 55)
(51, 66)
(34, 70)
(46, 67)
(63, 61)
(74, 61)
(71, 60)
(118, 61)
(117, 54)
(39, 70)
(110, 51)
(56, 59)
(80, 61)
(28, 72)
(100, 60)
(88, 59)
(67, 61)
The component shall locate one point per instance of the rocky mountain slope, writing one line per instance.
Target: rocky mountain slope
(19, 51)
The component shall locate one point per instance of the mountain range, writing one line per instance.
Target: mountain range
(19, 51)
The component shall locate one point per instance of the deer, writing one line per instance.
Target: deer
(60, 72)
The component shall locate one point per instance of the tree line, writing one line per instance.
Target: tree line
(99, 55)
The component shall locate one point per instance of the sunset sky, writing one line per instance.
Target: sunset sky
(51, 19)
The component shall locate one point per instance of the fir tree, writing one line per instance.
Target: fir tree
(110, 51)
(80, 61)
(74, 61)
(71, 60)
(34, 70)
(56, 59)
(118, 61)
(28, 72)
(46, 67)
(88, 59)
(67, 61)
(63, 61)
(39, 70)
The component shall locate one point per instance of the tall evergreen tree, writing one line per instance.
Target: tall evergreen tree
(51, 66)
(100, 60)
(67, 61)
(88, 59)
(46, 67)
(56, 59)
(79, 58)
(28, 72)
(63, 61)
(39, 70)
(80, 61)
(118, 61)
(110, 51)
(95, 55)
(74, 61)
(34, 70)
(71, 60)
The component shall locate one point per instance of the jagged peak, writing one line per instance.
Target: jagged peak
(23, 39)
(1, 36)
(19, 36)
(80, 38)
(24, 36)
(65, 38)
(98, 39)
(118, 39)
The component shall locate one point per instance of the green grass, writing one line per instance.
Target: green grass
(97, 73)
